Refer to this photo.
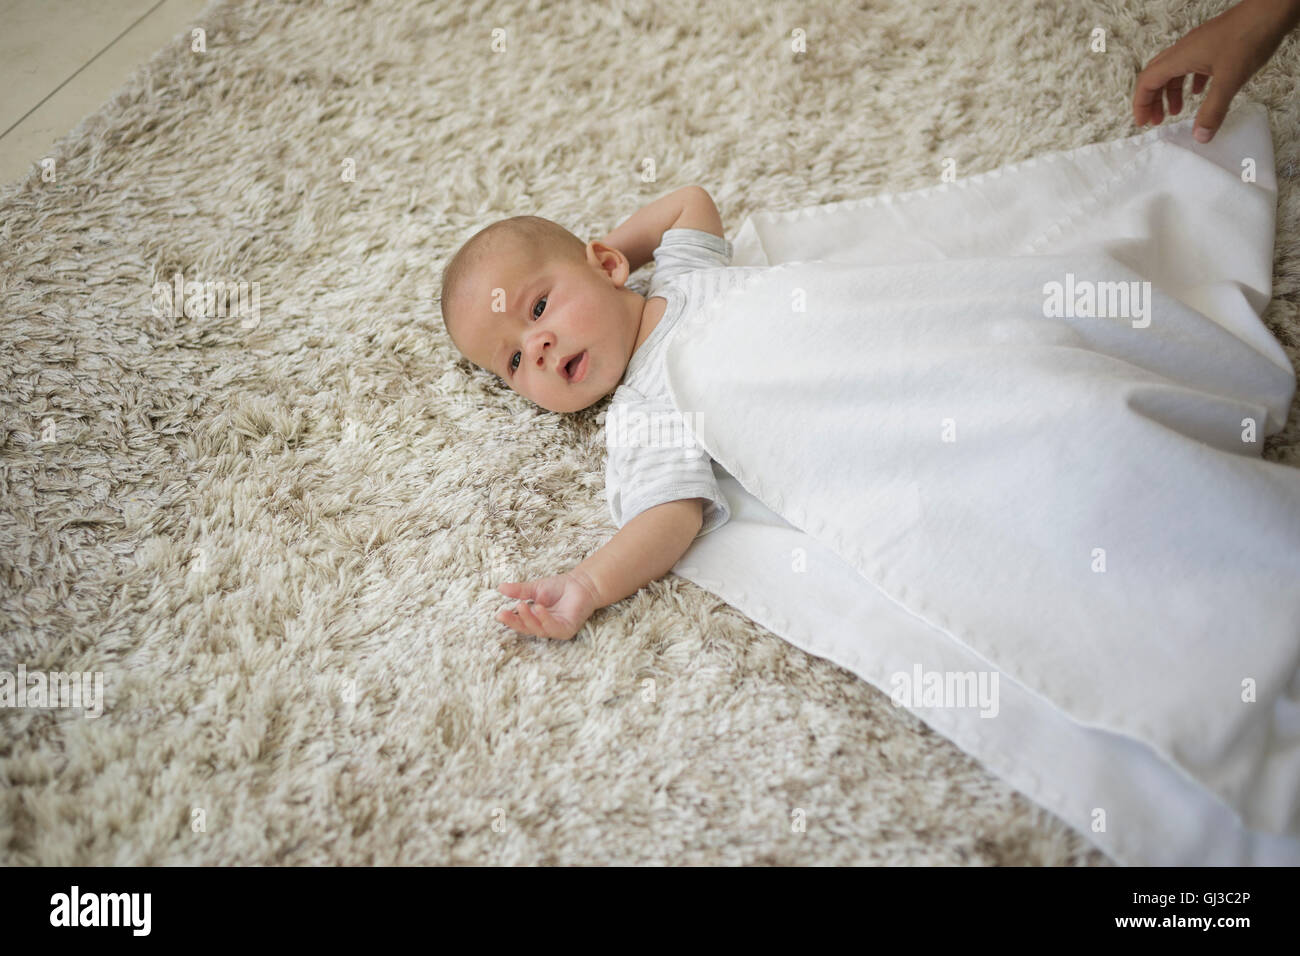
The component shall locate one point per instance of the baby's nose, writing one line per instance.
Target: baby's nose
(540, 345)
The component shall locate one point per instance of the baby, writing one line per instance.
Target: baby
(552, 317)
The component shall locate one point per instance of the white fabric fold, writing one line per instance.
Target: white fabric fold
(1019, 418)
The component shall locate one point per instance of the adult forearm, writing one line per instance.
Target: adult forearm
(1276, 18)
(1286, 12)
(640, 234)
(643, 550)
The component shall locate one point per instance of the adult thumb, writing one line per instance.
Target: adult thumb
(1212, 112)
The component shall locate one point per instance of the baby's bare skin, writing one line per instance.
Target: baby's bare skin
(643, 550)
(560, 315)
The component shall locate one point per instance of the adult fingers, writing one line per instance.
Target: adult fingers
(1174, 92)
(1151, 83)
(1210, 116)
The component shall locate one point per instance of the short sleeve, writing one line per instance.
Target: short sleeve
(684, 250)
(654, 458)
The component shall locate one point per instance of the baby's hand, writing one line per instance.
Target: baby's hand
(561, 605)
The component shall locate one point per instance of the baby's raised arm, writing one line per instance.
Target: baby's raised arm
(690, 207)
(643, 550)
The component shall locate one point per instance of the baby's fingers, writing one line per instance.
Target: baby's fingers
(530, 615)
(520, 621)
(542, 621)
(514, 617)
(510, 619)
(524, 590)
(554, 626)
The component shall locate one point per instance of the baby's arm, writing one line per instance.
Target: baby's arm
(643, 550)
(690, 207)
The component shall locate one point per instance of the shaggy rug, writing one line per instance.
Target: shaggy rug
(275, 528)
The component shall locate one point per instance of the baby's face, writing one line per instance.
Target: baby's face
(560, 333)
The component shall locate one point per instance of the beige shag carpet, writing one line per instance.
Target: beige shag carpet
(278, 535)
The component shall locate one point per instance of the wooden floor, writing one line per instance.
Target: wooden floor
(60, 60)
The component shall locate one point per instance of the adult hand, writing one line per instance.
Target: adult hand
(1225, 52)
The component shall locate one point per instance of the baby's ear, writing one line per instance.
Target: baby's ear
(611, 260)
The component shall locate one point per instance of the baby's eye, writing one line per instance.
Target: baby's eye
(513, 364)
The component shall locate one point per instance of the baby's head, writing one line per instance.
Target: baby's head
(526, 299)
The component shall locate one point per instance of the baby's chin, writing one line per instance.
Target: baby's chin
(578, 405)
(579, 400)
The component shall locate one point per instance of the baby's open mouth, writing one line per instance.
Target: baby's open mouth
(576, 367)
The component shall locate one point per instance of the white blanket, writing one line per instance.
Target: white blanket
(1011, 427)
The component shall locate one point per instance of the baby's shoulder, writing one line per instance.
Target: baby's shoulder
(681, 251)
(624, 396)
